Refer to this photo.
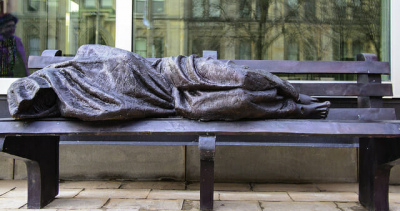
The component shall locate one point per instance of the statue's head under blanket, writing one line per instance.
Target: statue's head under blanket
(106, 83)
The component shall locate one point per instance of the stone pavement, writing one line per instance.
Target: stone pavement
(159, 195)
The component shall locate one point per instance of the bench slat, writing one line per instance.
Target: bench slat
(178, 126)
(39, 62)
(335, 67)
(273, 66)
(343, 89)
(365, 114)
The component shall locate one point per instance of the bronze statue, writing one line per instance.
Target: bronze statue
(105, 83)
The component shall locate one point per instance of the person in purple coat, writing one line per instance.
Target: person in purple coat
(12, 53)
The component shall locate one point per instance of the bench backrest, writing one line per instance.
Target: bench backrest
(368, 89)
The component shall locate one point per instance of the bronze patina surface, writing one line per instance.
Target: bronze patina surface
(106, 83)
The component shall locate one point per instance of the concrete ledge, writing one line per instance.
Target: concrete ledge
(277, 164)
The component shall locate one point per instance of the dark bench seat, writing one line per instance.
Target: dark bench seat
(370, 127)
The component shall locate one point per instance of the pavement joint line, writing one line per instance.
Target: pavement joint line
(290, 196)
(260, 205)
(8, 191)
(147, 196)
(337, 206)
(78, 193)
(105, 204)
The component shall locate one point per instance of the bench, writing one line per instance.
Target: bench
(370, 127)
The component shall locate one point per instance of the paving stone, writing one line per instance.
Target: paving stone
(90, 184)
(167, 194)
(233, 205)
(25, 207)
(254, 196)
(114, 193)
(299, 206)
(158, 185)
(351, 206)
(16, 193)
(285, 187)
(68, 193)
(394, 207)
(225, 205)
(4, 190)
(76, 204)
(13, 184)
(223, 186)
(324, 196)
(394, 197)
(144, 204)
(12, 203)
(394, 188)
(338, 187)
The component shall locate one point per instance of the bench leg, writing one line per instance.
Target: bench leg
(376, 158)
(40, 154)
(207, 152)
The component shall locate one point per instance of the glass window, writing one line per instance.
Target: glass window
(106, 3)
(245, 9)
(197, 8)
(245, 50)
(140, 6)
(34, 46)
(323, 30)
(90, 3)
(158, 6)
(214, 8)
(206, 8)
(310, 9)
(292, 50)
(65, 25)
(158, 47)
(292, 8)
(141, 46)
(33, 5)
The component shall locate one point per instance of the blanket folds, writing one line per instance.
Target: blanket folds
(106, 83)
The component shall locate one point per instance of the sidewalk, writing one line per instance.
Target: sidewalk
(129, 195)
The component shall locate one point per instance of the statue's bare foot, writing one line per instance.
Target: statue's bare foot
(313, 110)
(307, 100)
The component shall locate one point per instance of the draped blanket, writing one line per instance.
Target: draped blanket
(105, 83)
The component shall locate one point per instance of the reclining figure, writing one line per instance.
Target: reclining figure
(106, 83)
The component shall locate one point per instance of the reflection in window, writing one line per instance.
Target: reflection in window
(206, 8)
(310, 9)
(139, 6)
(34, 46)
(158, 47)
(158, 6)
(141, 46)
(106, 3)
(33, 5)
(197, 8)
(245, 50)
(245, 9)
(293, 8)
(310, 50)
(90, 3)
(357, 47)
(292, 50)
(214, 10)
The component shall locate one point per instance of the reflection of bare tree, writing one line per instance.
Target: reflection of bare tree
(356, 26)
(340, 28)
